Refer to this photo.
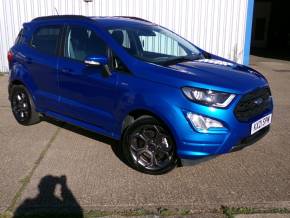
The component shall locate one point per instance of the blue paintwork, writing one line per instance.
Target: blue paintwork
(69, 91)
(249, 22)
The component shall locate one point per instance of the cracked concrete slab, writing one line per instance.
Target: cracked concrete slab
(206, 215)
(270, 215)
(4, 103)
(19, 148)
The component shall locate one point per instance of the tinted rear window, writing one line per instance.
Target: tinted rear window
(45, 39)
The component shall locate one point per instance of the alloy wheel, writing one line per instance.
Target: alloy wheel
(151, 147)
(21, 106)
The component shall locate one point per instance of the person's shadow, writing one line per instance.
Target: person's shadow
(47, 204)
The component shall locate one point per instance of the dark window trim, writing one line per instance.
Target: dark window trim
(63, 36)
(111, 64)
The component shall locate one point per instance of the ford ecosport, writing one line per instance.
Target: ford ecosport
(126, 78)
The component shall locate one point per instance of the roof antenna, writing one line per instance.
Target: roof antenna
(56, 10)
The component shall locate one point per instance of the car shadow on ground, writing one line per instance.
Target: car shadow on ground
(48, 204)
(115, 145)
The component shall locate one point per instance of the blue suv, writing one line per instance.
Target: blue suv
(132, 80)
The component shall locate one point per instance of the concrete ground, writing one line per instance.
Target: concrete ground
(84, 165)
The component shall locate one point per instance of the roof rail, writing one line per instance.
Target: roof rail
(135, 18)
(60, 16)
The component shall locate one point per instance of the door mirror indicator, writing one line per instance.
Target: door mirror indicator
(96, 60)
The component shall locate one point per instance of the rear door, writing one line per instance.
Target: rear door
(41, 59)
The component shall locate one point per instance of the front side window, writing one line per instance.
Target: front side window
(81, 42)
(45, 39)
(161, 43)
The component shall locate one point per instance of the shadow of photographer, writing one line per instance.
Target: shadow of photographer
(48, 204)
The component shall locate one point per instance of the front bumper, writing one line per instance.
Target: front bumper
(251, 139)
(192, 144)
(243, 143)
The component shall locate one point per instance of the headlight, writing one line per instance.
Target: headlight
(208, 97)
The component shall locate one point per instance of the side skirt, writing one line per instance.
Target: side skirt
(82, 124)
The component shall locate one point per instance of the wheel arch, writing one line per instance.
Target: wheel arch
(20, 82)
(140, 112)
(13, 83)
(134, 115)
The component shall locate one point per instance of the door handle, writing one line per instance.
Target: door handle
(67, 71)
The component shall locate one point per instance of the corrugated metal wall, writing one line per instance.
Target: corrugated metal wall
(217, 26)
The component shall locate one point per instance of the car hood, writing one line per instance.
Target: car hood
(211, 74)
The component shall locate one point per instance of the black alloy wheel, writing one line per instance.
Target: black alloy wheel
(149, 147)
(22, 106)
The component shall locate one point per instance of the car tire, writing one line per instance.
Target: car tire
(148, 146)
(22, 106)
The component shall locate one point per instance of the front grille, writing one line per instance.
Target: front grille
(253, 104)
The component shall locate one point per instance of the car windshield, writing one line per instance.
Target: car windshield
(155, 44)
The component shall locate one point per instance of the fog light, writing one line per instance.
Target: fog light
(202, 123)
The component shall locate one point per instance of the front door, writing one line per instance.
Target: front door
(86, 94)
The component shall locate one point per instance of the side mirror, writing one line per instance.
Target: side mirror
(98, 61)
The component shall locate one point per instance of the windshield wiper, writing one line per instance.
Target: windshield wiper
(180, 59)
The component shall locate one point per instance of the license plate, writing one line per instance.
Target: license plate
(261, 123)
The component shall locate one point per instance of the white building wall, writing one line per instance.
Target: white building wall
(217, 26)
